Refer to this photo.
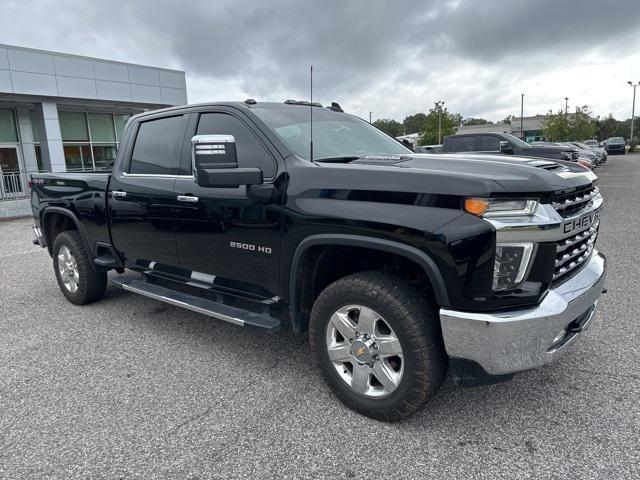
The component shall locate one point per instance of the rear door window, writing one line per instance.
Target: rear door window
(462, 144)
(158, 146)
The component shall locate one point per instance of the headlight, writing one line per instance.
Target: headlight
(512, 262)
(585, 163)
(491, 207)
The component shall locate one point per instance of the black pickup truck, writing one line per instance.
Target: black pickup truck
(397, 265)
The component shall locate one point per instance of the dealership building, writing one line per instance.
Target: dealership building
(529, 128)
(61, 112)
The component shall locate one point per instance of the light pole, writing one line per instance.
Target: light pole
(521, 116)
(566, 112)
(439, 105)
(370, 116)
(633, 108)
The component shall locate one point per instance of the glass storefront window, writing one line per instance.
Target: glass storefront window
(121, 121)
(8, 132)
(90, 139)
(87, 161)
(73, 126)
(78, 157)
(101, 127)
(39, 158)
(35, 127)
(104, 155)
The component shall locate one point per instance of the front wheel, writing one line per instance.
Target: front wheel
(76, 277)
(378, 344)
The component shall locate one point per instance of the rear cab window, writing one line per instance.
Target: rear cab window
(489, 143)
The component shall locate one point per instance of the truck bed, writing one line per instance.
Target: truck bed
(81, 193)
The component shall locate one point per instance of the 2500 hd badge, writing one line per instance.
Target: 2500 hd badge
(250, 247)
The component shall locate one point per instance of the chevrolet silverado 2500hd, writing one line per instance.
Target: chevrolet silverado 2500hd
(397, 265)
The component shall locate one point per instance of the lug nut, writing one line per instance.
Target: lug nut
(376, 357)
(375, 346)
(366, 336)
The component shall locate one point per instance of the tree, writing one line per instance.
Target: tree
(606, 128)
(623, 129)
(448, 123)
(555, 127)
(414, 123)
(581, 124)
(389, 126)
(476, 121)
(508, 119)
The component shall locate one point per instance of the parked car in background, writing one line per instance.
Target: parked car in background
(592, 143)
(507, 144)
(584, 157)
(599, 152)
(429, 149)
(615, 145)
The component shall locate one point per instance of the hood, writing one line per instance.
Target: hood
(478, 174)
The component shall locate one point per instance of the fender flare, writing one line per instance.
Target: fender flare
(412, 253)
(64, 211)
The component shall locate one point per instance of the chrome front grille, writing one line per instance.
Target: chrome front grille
(574, 251)
(568, 204)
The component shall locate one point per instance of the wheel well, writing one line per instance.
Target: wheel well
(322, 265)
(54, 224)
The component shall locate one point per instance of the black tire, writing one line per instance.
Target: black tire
(91, 285)
(416, 326)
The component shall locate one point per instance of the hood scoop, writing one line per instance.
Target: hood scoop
(382, 159)
(547, 165)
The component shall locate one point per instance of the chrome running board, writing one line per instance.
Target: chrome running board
(227, 313)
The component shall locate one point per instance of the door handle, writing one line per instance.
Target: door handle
(119, 193)
(187, 198)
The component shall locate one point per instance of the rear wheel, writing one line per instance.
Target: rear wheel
(378, 345)
(72, 265)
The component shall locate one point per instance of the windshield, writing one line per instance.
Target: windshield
(616, 140)
(516, 141)
(335, 134)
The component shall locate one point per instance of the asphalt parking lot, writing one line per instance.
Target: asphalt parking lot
(132, 388)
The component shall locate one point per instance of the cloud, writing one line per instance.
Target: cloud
(392, 58)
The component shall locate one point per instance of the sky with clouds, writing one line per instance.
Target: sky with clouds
(390, 58)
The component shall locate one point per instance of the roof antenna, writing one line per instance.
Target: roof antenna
(311, 113)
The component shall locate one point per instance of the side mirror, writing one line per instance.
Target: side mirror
(215, 163)
(506, 148)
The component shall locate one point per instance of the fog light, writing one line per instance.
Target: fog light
(512, 261)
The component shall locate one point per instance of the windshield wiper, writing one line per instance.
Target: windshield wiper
(345, 159)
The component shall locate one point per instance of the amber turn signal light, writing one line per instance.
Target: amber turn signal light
(476, 206)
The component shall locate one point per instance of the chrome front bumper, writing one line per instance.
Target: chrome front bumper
(508, 342)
